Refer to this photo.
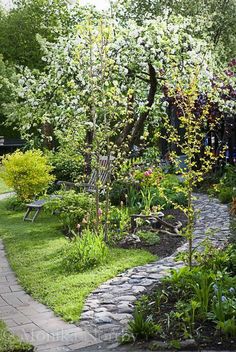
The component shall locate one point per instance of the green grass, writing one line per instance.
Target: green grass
(10, 343)
(34, 251)
(3, 186)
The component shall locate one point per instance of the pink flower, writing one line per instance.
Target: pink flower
(148, 173)
(99, 212)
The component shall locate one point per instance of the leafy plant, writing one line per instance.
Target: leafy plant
(202, 287)
(226, 194)
(67, 166)
(228, 327)
(27, 173)
(86, 251)
(75, 211)
(150, 238)
(142, 327)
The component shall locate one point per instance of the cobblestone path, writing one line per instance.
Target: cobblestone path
(108, 309)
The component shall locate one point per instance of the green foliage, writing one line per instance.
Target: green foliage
(216, 259)
(225, 195)
(35, 254)
(225, 190)
(150, 238)
(190, 300)
(15, 204)
(66, 166)
(75, 211)
(8, 81)
(24, 22)
(3, 187)
(142, 327)
(27, 173)
(143, 188)
(85, 252)
(119, 220)
(10, 343)
(207, 18)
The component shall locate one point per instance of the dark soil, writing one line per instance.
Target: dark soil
(168, 244)
(205, 335)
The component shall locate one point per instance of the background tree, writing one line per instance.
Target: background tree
(20, 26)
(143, 58)
(213, 18)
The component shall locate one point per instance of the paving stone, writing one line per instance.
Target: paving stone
(86, 340)
(103, 318)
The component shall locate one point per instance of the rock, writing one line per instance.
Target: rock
(103, 318)
(126, 298)
(188, 344)
(125, 308)
(130, 240)
(138, 289)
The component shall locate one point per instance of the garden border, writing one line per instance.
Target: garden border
(109, 308)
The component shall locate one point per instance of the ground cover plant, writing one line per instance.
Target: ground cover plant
(36, 252)
(191, 307)
(10, 343)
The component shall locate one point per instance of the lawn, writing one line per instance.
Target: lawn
(34, 251)
(10, 343)
(3, 186)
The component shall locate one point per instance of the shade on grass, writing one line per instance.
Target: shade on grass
(10, 343)
(34, 251)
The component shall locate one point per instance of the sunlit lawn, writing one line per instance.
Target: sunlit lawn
(35, 253)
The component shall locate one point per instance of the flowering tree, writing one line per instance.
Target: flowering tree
(57, 101)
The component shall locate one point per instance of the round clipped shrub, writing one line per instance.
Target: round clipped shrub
(27, 173)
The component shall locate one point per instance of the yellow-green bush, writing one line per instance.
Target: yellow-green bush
(27, 173)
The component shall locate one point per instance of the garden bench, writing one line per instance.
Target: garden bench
(35, 207)
(104, 171)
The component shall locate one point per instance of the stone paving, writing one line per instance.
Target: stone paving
(32, 321)
(109, 308)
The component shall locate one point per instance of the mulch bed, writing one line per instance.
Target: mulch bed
(168, 244)
(206, 337)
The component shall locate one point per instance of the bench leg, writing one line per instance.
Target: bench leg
(25, 218)
(36, 212)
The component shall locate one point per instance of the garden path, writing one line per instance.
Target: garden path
(108, 309)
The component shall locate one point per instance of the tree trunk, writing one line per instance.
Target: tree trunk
(139, 124)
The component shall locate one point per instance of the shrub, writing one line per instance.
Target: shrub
(66, 166)
(73, 209)
(150, 238)
(85, 252)
(27, 173)
(226, 194)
